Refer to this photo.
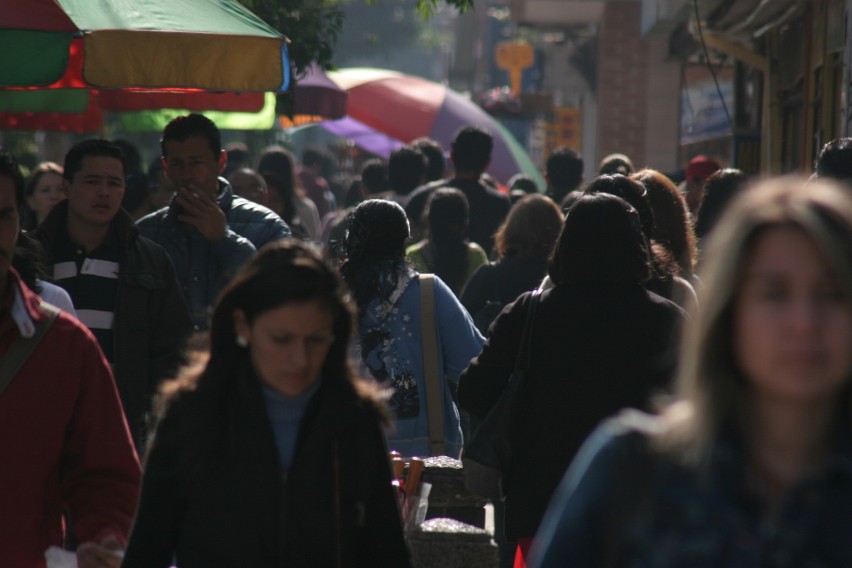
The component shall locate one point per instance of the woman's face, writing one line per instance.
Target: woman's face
(793, 322)
(288, 344)
(46, 194)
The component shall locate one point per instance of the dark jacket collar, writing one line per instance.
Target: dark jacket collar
(55, 227)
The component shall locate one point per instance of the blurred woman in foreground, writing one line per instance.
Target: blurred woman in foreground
(752, 464)
(270, 453)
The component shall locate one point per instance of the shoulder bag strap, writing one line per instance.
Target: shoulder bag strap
(522, 362)
(428, 330)
(23, 347)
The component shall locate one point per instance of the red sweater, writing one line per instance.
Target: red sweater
(64, 441)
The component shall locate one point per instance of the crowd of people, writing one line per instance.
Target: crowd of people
(208, 363)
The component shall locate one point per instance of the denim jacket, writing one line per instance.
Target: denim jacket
(204, 268)
(623, 504)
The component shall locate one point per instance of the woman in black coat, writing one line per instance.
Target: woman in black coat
(270, 453)
(600, 342)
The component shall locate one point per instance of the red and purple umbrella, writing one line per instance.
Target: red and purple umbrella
(404, 107)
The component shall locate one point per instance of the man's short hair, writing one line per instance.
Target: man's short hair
(406, 167)
(835, 160)
(312, 157)
(434, 153)
(564, 168)
(471, 149)
(10, 168)
(193, 124)
(93, 147)
(374, 176)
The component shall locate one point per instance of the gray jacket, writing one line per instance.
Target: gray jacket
(204, 268)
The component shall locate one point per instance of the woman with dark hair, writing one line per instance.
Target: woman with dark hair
(750, 464)
(665, 272)
(524, 243)
(719, 190)
(600, 342)
(447, 251)
(672, 227)
(43, 192)
(279, 161)
(387, 293)
(269, 452)
(280, 199)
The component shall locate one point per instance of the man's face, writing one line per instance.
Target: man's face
(9, 224)
(95, 193)
(192, 164)
(249, 185)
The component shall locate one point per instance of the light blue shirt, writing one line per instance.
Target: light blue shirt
(285, 414)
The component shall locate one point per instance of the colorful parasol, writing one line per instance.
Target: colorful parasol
(404, 107)
(215, 45)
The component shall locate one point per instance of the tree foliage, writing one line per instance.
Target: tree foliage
(313, 26)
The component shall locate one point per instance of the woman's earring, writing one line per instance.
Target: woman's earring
(242, 341)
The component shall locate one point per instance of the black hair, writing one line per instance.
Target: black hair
(719, 190)
(374, 249)
(630, 190)
(601, 243)
(132, 157)
(374, 176)
(447, 212)
(10, 168)
(434, 153)
(194, 124)
(93, 147)
(471, 149)
(312, 157)
(406, 168)
(135, 192)
(835, 160)
(564, 169)
(523, 183)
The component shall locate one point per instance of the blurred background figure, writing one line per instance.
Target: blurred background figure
(249, 184)
(698, 170)
(160, 187)
(600, 342)
(238, 158)
(434, 152)
(373, 184)
(719, 191)
(616, 164)
(447, 251)
(387, 292)
(758, 434)
(523, 243)
(311, 180)
(43, 192)
(279, 161)
(274, 399)
(521, 185)
(564, 172)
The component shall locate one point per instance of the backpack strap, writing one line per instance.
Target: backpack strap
(429, 332)
(22, 348)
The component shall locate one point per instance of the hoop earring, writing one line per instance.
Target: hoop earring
(242, 341)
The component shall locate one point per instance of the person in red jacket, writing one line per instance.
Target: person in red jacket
(64, 441)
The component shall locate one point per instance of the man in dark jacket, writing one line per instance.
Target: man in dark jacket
(123, 285)
(471, 154)
(207, 231)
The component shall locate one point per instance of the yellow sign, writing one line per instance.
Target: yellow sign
(514, 57)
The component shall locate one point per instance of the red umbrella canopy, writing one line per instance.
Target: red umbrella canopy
(173, 44)
(406, 107)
